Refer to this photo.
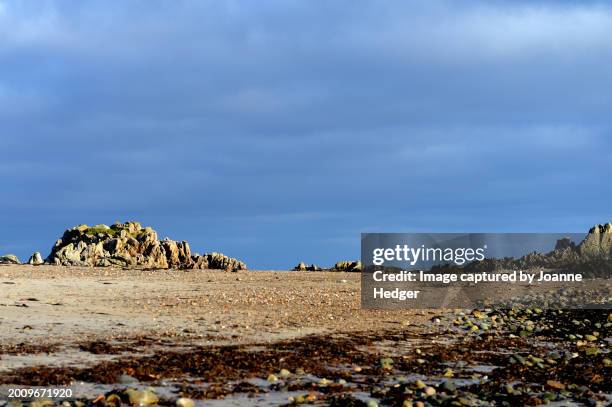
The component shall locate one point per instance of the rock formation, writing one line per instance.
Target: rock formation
(35, 259)
(130, 245)
(598, 243)
(217, 261)
(303, 267)
(9, 259)
(354, 266)
(592, 257)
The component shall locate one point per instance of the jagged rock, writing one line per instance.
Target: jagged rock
(178, 254)
(348, 266)
(217, 261)
(598, 243)
(303, 267)
(122, 244)
(592, 257)
(564, 243)
(35, 259)
(9, 259)
(300, 267)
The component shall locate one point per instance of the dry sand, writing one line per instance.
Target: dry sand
(49, 305)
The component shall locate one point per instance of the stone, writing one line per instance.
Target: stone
(9, 259)
(113, 400)
(303, 267)
(185, 402)
(348, 266)
(36, 259)
(448, 386)
(126, 379)
(386, 363)
(218, 261)
(142, 397)
(553, 384)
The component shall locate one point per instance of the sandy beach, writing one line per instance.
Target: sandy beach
(49, 305)
(276, 338)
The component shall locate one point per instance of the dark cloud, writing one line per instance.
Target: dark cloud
(278, 131)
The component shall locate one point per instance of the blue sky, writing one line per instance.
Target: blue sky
(278, 131)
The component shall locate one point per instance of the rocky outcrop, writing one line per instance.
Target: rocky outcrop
(592, 257)
(303, 267)
(9, 259)
(598, 243)
(350, 266)
(130, 245)
(217, 261)
(35, 259)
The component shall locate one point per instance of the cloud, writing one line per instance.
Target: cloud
(283, 126)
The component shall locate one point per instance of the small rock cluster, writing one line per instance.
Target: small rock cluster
(347, 266)
(303, 267)
(130, 245)
(350, 266)
(9, 259)
(217, 261)
(35, 259)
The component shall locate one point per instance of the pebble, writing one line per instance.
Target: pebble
(553, 384)
(113, 400)
(386, 363)
(142, 397)
(126, 379)
(448, 387)
(185, 402)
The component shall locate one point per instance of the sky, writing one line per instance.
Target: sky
(279, 131)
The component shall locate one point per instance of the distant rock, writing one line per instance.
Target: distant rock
(592, 257)
(564, 243)
(35, 259)
(9, 259)
(350, 266)
(303, 267)
(598, 243)
(130, 245)
(217, 261)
